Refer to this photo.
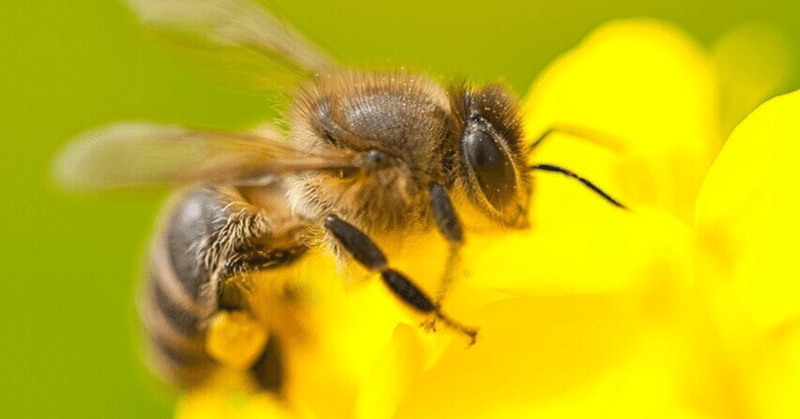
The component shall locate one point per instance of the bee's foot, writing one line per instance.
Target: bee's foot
(429, 325)
(472, 333)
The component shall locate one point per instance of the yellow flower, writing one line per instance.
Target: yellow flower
(747, 228)
(594, 311)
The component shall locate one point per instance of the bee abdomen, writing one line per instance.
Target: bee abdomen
(175, 322)
(179, 295)
(211, 235)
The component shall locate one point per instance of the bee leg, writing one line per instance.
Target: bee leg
(244, 238)
(367, 253)
(249, 260)
(449, 225)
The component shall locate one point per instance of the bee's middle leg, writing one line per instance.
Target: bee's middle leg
(449, 225)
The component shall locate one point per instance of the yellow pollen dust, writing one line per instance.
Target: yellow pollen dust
(235, 339)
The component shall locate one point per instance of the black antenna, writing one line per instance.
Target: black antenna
(586, 182)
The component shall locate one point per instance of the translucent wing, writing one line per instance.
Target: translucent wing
(239, 35)
(140, 154)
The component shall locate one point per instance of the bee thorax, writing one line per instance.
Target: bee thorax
(387, 200)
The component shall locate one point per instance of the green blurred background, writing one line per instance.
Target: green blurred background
(68, 331)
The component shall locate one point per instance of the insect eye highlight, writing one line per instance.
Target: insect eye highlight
(491, 166)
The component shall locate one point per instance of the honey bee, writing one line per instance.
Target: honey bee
(365, 153)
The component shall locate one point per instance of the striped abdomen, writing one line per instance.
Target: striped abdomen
(179, 296)
(212, 234)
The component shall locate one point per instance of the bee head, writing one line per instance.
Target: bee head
(491, 156)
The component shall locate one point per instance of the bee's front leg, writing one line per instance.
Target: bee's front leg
(367, 253)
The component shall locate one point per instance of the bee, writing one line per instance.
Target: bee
(366, 153)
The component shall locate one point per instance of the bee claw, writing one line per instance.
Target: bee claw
(429, 325)
(473, 336)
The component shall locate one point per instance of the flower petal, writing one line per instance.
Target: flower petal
(747, 212)
(349, 328)
(385, 387)
(552, 357)
(572, 253)
(230, 394)
(774, 375)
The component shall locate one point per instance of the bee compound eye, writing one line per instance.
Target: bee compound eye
(491, 166)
